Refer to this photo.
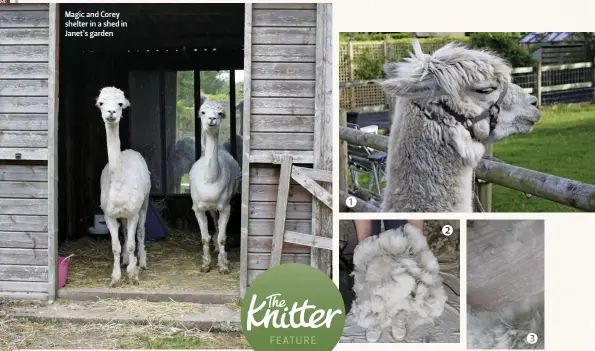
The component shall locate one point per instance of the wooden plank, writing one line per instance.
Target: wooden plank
(252, 274)
(314, 188)
(24, 223)
(23, 70)
(280, 141)
(283, 88)
(269, 193)
(322, 218)
(35, 190)
(28, 19)
(24, 87)
(518, 70)
(157, 295)
(53, 102)
(269, 156)
(263, 261)
(266, 210)
(283, 53)
(23, 207)
(318, 175)
(11, 138)
(23, 240)
(27, 257)
(34, 287)
(284, 18)
(264, 244)
(24, 7)
(36, 36)
(309, 240)
(32, 173)
(285, 70)
(265, 175)
(30, 104)
(562, 87)
(23, 295)
(245, 210)
(281, 210)
(282, 6)
(566, 66)
(271, 123)
(283, 36)
(265, 227)
(24, 273)
(282, 106)
(14, 121)
(28, 53)
(23, 153)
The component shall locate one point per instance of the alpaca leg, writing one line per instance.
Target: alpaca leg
(112, 225)
(203, 224)
(140, 235)
(132, 269)
(221, 236)
(125, 260)
(215, 221)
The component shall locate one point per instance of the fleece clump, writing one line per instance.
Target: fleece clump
(396, 282)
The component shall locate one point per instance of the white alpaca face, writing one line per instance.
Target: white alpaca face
(111, 101)
(518, 110)
(211, 115)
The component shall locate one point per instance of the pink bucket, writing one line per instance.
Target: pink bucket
(63, 270)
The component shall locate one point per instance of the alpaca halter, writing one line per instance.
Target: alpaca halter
(492, 113)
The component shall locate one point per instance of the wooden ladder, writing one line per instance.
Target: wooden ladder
(307, 178)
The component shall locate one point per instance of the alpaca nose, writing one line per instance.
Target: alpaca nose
(533, 100)
(111, 112)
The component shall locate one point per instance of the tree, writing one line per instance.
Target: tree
(505, 44)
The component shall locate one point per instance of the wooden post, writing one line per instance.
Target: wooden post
(343, 162)
(281, 212)
(385, 50)
(352, 103)
(593, 85)
(485, 189)
(322, 217)
(538, 88)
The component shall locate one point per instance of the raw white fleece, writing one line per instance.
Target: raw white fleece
(396, 281)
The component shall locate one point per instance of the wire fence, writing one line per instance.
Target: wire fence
(553, 84)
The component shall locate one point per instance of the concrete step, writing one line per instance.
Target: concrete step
(207, 317)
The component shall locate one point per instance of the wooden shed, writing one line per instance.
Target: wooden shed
(51, 153)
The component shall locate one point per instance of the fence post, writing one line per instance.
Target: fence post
(593, 85)
(343, 165)
(351, 75)
(385, 50)
(485, 189)
(538, 88)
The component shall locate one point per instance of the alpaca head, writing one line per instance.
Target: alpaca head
(211, 114)
(111, 101)
(468, 83)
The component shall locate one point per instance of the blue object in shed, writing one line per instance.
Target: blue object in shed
(155, 228)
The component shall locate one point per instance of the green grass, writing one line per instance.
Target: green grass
(562, 144)
(181, 342)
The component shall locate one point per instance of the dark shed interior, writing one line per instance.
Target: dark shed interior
(142, 58)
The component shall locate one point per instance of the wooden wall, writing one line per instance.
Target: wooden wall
(24, 73)
(280, 71)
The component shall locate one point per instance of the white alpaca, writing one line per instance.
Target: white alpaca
(214, 180)
(449, 105)
(125, 187)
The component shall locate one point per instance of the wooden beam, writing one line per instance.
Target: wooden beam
(281, 211)
(319, 242)
(318, 191)
(245, 211)
(356, 137)
(318, 175)
(322, 217)
(274, 156)
(360, 205)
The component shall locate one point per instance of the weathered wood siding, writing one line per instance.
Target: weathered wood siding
(24, 57)
(280, 69)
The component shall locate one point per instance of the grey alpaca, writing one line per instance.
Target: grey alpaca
(439, 128)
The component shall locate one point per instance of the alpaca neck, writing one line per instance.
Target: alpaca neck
(211, 155)
(113, 149)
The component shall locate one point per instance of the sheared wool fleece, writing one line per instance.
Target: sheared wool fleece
(508, 327)
(396, 281)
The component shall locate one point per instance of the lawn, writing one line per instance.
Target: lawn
(562, 144)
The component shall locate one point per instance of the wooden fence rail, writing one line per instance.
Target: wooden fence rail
(560, 190)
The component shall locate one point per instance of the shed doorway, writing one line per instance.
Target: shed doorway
(164, 59)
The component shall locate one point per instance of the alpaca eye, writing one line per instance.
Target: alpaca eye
(202, 112)
(101, 104)
(485, 91)
(121, 104)
(220, 114)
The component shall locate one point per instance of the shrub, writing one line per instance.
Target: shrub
(504, 44)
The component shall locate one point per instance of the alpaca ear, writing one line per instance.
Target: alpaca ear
(404, 81)
(126, 103)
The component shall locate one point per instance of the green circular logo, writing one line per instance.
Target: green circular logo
(293, 307)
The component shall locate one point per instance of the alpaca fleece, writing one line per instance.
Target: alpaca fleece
(508, 327)
(396, 281)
